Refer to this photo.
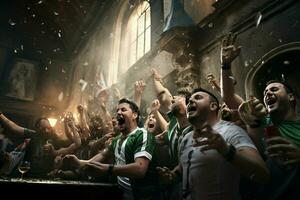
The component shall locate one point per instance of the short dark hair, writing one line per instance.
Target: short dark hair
(211, 96)
(38, 121)
(287, 87)
(132, 106)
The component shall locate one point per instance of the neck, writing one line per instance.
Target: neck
(129, 129)
(210, 121)
(278, 117)
(183, 121)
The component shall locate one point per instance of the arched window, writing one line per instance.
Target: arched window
(131, 41)
(138, 35)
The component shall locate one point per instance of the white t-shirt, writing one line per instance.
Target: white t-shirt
(209, 175)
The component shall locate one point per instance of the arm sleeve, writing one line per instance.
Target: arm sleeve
(145, 145)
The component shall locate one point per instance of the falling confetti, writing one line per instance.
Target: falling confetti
(59, 35)
(282, 78)
(85, 64)
(22, 47)
(40, 2)
(61, 96)
(286, 62)
(233, 79)
(259, 17)
(46, 68)
(82, 84)
(15, 51)
(33, 15)
(246, 63)
(210, 25)
(55, 13)
(63, 71)
(11, 22)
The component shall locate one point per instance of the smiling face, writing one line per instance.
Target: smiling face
(198, 107)
(126, 118)
(276, 98)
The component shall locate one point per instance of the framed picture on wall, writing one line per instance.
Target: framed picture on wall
(22, 79)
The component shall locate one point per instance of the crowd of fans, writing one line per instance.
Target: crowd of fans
(190, 147)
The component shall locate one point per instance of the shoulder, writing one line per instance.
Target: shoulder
(234, 134)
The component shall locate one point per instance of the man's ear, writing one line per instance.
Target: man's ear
(213, 106)
(291, 97)
(135, 115)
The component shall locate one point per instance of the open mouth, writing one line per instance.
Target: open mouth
(120, 120)
(191, 109)
(150, 125)
(270, 101)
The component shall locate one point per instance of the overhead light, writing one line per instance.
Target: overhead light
(52, 121)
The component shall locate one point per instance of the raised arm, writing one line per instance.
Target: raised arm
(11, 129)
(163, 94)
(228, 53)
(163, 124)
(139, 88)
(83, 122)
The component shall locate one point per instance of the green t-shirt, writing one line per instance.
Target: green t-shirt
(174, 138)
(288, 129)
(139, 143)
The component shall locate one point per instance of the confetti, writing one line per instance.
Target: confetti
(82, 84)
(286, 62)
(11, 22)
(61, 96)
(259, 17)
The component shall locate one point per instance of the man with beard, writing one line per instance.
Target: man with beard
(282, 139)
(215, 153)
(132, 150)
(37, 153)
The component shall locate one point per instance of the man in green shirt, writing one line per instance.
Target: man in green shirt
(132, 151)
(281, 141)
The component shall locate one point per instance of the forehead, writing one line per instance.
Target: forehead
(202, 94)
(277, 85)
(123, 105)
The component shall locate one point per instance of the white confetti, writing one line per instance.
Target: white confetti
(210, 25)
(61, 96)
(22, 47)
(40, 2)
(59, 35)
(286, 62)
(82, 84)
(259, 17)
(33, 15)
(85, 64)
(11, 22)
(63, 71)
(55, 13)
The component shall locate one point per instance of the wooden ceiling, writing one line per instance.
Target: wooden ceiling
(49, 28)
